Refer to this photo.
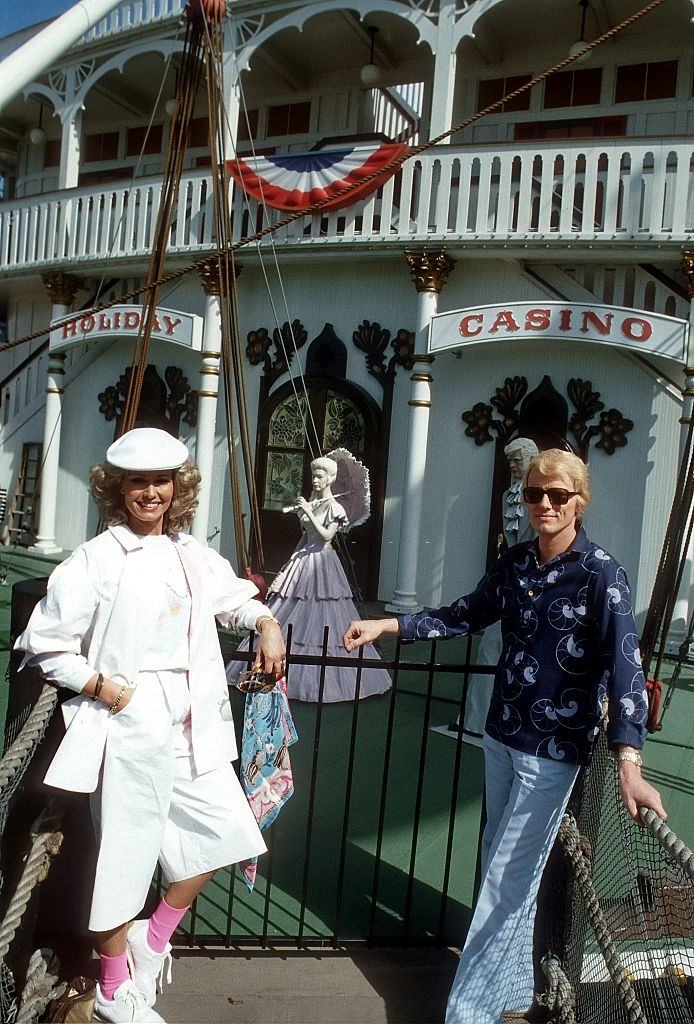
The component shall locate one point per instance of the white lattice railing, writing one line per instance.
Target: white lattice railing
(629, 285)
(616, 191)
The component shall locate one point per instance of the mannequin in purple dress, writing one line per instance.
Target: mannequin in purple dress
(312, 592)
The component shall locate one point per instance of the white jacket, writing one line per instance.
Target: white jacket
(98, 610)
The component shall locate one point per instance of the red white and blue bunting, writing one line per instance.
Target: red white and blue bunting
(295, 181)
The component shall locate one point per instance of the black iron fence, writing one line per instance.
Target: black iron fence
(380, 844)
(380, 841)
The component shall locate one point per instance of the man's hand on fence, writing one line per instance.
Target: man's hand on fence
(365, 631)
(636, 792)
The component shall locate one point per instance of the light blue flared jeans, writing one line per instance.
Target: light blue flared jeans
(525, 798)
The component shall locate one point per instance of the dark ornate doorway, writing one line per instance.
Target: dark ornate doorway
(344, 416)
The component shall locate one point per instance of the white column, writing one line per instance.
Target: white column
(62, 289)
(429, 273)
(683, 604)
(443, 91)
(207, 397)
(70, 147)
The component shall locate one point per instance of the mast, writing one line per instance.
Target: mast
(32, 59)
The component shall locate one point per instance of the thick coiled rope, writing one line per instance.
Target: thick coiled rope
(674, 848)
(570, 839)
(559, 997)
(46, 840)
(16, 756)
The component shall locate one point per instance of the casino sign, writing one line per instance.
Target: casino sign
(638, 330)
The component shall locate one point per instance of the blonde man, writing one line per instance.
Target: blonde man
(569, 645)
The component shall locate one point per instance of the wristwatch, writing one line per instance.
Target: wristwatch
(630, 755)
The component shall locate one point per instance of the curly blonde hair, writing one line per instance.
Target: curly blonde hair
(105, 484)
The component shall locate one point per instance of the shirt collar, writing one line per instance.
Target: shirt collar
(580, 545)
(130, 541)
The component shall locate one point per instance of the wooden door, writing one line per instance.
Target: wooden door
(339, 414)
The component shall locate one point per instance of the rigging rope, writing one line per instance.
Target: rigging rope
(491, 108)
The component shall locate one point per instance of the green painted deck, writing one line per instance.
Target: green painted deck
(339, 902)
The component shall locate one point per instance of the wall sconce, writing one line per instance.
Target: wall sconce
(370, 73)
(581, 42)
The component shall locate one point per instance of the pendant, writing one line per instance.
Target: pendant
(174, 607)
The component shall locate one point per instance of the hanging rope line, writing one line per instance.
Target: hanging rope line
(232, 355)
(417, 151)
(178, 144)
(673, 560)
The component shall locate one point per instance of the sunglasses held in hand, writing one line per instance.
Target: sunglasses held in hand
(256, 681)
(557, 495)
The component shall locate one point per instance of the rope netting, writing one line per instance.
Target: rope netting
(22, 739)
(617, 924)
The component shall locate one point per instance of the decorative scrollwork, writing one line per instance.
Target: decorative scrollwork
(182, 401)
(162, 404)
(403, 347)
(611, 428)
(247, 29)
(372, 340)
(287, 339)
(58, 78)
(258, 346)
(481, 420)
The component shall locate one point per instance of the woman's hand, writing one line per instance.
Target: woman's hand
(365, 631)
(271, 649)
(303, 504)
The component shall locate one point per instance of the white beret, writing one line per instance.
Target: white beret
(147, 449)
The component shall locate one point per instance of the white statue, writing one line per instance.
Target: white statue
(516, 529)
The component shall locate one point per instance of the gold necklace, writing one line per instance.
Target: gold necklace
(175, 599)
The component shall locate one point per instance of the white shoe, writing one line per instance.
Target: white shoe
(126, 1006)
(147, 967)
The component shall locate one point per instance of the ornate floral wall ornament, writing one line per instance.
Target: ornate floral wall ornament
(372, 340)
(287, 340)
(481, 421)
(609, 432)
(611, 428)
(164, 403)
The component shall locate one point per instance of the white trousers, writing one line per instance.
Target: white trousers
(152, 806)
(525, 797)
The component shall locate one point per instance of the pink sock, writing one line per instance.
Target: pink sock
(113, 971)
(162, 925)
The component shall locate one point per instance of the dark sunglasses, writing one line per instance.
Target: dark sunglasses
(556, 495)
(256, 681)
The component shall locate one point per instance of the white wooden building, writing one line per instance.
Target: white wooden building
(578, 196)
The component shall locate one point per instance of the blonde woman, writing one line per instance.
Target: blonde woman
(128, 623)
(569, 646)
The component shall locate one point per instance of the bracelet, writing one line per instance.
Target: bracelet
(98, 686)
(114, 707)
(265, 618)
(632, 756)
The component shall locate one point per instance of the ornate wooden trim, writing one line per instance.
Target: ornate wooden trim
(609, 433)
(62, 288)
(429, 270)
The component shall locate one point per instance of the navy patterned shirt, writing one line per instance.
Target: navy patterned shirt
(569, 644)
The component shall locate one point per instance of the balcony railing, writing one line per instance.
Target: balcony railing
(624, 192)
